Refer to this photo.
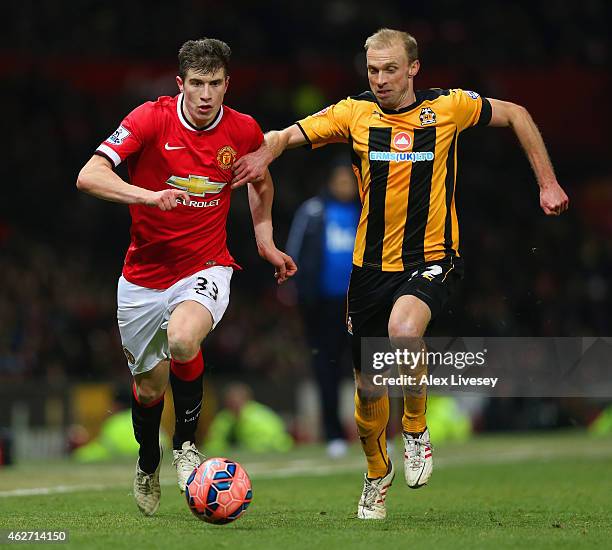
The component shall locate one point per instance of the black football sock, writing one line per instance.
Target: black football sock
(146, 420)
(187, 392)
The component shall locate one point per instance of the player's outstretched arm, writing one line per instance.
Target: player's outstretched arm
(97, 178)
(252, 167)
(553, 199)
(260, 202)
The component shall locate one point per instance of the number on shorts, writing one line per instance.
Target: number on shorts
(202, 288)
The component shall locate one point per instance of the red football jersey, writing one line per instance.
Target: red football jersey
(164, 150)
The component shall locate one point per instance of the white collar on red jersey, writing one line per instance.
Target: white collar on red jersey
(188, 125)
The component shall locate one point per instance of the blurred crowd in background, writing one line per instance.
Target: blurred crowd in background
(539, 32)
(69, 77)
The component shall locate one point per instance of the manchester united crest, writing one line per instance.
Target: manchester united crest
(427, 116)
(226, 157)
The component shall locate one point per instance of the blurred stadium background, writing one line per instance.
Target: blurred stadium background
(71, 71)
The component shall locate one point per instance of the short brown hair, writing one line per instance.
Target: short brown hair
(205, 55)
(386, 38)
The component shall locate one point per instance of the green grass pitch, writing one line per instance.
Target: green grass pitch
(530, 491)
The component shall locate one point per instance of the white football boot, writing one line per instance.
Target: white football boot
(147, 491)
(418, 461)
(186, 460)
(372, 501)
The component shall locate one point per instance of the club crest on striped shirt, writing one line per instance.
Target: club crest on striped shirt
(427, 116)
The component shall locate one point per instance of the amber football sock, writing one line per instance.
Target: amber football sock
(372, 417)
(415, 402)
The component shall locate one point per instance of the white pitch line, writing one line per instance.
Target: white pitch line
(35, 491)
(314, 467)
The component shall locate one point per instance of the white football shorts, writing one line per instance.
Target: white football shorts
(143, 313)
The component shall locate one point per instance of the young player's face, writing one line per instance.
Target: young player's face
(390, 76)
(203, 94)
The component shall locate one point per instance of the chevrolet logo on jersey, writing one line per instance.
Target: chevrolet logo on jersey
(196, 185)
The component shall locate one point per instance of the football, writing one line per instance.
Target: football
(218, 491)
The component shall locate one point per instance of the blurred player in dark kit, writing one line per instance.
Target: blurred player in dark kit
(321, 241)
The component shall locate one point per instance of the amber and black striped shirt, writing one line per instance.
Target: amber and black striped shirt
(406, 166)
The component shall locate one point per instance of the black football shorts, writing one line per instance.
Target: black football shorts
(372, 293)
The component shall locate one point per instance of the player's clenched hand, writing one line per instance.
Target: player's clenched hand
(553, 199)
(284, 266)
(251, 168)
(166, 199)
